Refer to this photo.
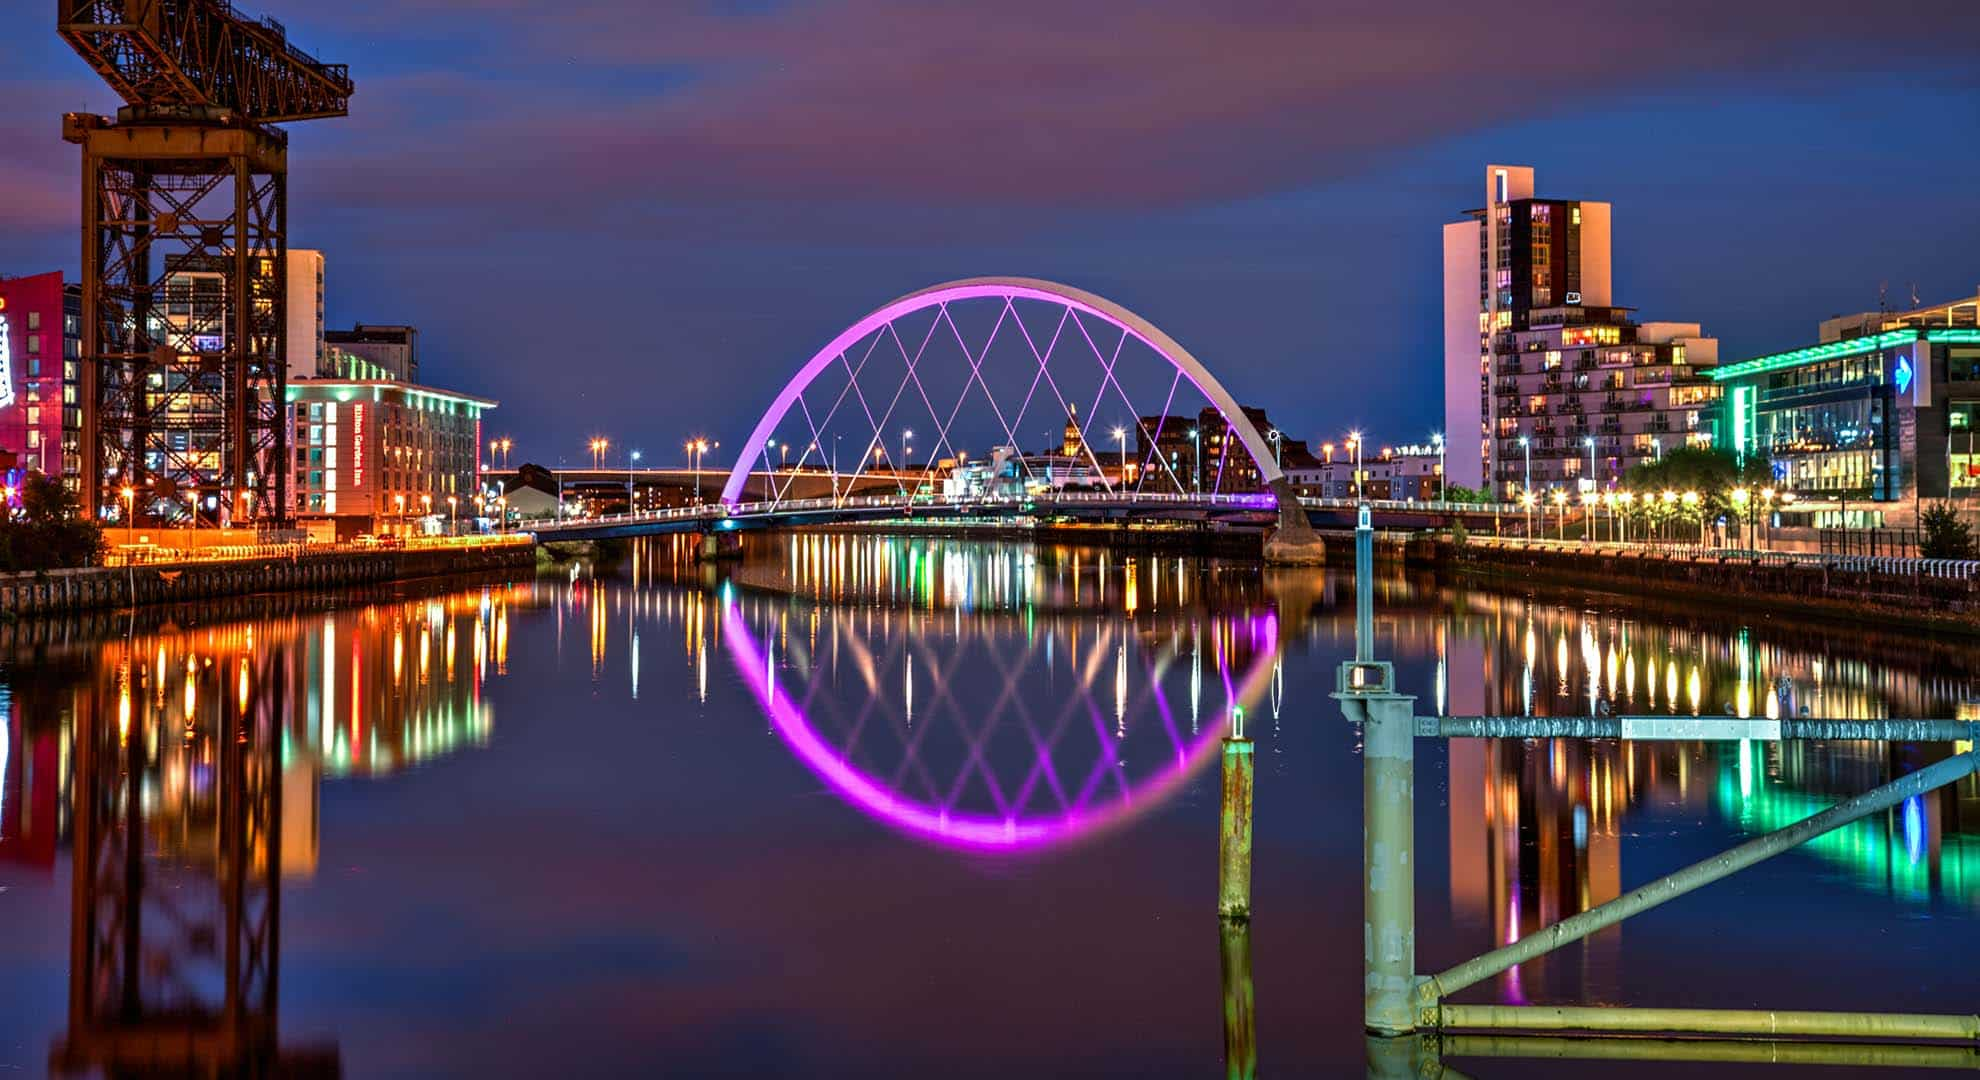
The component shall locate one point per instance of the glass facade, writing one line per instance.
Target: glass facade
(1883, 417)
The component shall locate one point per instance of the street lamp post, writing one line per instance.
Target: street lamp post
(1526, 447)
(453, 517)
(130, 512)
(1120, 437)
(632, 464)
(1590, 441)
(696, 448)
(1443, 483)
(1273, 437)
(1196, 447)
(1354, 444)
(900, 468)
(598, 447)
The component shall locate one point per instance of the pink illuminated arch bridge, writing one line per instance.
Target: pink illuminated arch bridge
(1058, 354)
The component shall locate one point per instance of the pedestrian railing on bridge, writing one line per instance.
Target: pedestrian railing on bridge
(1004, 504)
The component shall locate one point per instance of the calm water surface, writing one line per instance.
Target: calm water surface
(861, 806)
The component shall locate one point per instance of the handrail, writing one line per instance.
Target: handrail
(1886, 565)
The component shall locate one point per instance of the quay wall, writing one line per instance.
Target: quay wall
(56, 591)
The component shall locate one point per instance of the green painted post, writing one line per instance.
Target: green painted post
(1234, 832)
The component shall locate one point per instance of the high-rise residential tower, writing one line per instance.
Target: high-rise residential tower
(1517, 254)
(1561, 388)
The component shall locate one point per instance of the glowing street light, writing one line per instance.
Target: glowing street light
(1354, 444)
(1526, 447)
(598, 447)
(130, 512)
(1120, 436)
(696, 448)
(632, 463)
(1437, 440)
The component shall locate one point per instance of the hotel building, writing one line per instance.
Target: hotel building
(381, 456)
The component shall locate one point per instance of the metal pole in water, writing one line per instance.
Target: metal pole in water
(1234, 831)
(1388, 783)
(1366, 691)
(1364, 585)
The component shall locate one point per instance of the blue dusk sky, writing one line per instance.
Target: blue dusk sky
(636, 217)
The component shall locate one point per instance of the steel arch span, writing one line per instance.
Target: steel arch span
(1077, 308)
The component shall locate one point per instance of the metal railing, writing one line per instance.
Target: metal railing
(1889, 566)
(155, 555)
(1020, 503)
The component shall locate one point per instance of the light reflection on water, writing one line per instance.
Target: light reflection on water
(1001, 698)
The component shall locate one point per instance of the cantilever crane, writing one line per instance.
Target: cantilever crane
(185, 222)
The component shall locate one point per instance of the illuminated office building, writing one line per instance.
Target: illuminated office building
(1884, 417)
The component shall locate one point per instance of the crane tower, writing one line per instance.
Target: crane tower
(184, 241)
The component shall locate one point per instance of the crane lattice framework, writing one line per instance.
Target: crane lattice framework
(185, 236)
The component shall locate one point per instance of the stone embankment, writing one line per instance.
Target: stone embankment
(166, 582)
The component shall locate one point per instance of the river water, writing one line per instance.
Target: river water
(873, 806)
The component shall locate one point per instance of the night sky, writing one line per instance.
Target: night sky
(636, 217)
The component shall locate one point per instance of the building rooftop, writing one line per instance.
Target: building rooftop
(351, 389)
(1830, 350)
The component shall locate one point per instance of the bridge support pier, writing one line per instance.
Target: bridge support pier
(1292, 542)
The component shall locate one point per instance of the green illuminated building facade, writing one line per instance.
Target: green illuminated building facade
(1887, 416)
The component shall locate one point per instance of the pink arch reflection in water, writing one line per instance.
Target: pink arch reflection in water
(1015, 832)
